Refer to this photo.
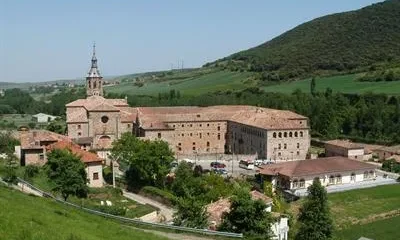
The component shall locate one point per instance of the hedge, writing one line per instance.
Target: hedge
(158, 195)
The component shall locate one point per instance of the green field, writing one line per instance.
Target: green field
(387, 229)
(366, 212)
(28, 217)
(344, 84)
(188, 84)
(11, 121)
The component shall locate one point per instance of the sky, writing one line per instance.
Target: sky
(45, 40)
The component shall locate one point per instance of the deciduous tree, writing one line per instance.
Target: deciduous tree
(67, 172)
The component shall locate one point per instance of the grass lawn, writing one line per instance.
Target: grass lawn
(345, 84)
(27, 217)
(361, 212)
(191, 85)
(387, 229)
(95, 196)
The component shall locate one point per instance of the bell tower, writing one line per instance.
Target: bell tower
(94, 82)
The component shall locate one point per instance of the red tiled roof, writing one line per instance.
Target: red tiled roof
(35, 139)
(86, 157)
(317, 166)
(344, 144)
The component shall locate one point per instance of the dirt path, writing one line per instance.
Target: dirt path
(166, 211)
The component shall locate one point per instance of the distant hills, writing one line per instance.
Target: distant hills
(365, 39)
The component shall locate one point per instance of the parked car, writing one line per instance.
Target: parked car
(221, 171)
(174, 164)
(258, 162)
(217, 165)
(266, 161)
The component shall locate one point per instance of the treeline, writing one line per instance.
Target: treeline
(21, 102)
(368, 117)
(379, 76)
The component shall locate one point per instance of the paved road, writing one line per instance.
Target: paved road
(165, 211)
(231, 166)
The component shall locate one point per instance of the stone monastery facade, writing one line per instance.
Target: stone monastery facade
(95, 122)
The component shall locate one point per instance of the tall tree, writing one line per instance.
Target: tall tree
(247, 216)
(312, 87)
(7, 142)
(148, 161)
(190, 212)
(314, 218)
(67, 172)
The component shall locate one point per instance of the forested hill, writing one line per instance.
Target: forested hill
(363, 39)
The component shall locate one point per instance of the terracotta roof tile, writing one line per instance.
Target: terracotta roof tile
(35, 139)
(86, 157)
(315, 167)
(345, 144)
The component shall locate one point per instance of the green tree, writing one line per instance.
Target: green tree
(148, 161)
(11, 165)
(314, 218)
(58, 126)
(7, 142)
(190, 212)
(312, 87)
(67, 172)
(247, 216)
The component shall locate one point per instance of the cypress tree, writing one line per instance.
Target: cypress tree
(314, 218)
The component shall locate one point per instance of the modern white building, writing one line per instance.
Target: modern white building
(295, 175)
(43, 118)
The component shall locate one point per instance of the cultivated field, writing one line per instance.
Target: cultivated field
(187, 83)
(345, 84)
(365, 212)
(12, 121)
(28, 217)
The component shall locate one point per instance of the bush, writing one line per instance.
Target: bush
(158, 195)
(114, 210)
(31, 171)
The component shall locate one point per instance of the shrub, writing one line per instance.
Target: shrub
(158, 195)
(31, 171)
(114, 210)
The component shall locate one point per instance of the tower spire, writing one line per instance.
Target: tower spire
(94, 83)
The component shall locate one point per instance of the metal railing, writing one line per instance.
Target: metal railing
(131, 220)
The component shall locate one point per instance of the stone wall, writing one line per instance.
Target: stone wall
(288, 144)
(94, 170)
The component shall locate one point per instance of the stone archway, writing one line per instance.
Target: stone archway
(105, 142)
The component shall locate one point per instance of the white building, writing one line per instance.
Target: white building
(43, 118)
(295, 175)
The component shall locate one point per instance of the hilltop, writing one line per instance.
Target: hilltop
(355, 41)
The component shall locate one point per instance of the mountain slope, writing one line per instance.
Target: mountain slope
(338, 42)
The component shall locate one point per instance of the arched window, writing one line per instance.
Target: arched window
(280, 135)
(295, 183)
(301, 134)
(290, 134)
(208, 144)
(274, 135)
(295, 134)
(366, 175)
(302, 183)
(284, 146)
(285, 134)
(331, 179)
(352, 177)
(338, 178)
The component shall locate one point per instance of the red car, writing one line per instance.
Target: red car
(217, 165)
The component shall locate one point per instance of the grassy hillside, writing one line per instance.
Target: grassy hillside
(343, 83)
(339, 42)
(27, 217)
(189, 83)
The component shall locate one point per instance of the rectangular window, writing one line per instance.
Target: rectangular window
(298, 145)
(194, 143)
(194, 148)
(219, 136)
(279, 146)
(95, 176)
(41, 157)
(200, 135)
(298, 153)
(129, 126)
(219, 128)
(284, 146)
(159, 135)
(79, 133)
(79, 126)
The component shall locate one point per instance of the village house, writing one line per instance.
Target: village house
(330, 171)
(93, 164)
(95, 122)
(279, 228)
(35, 145)
(385, 153)
(344, 148)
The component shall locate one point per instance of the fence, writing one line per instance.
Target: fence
(134, 221)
